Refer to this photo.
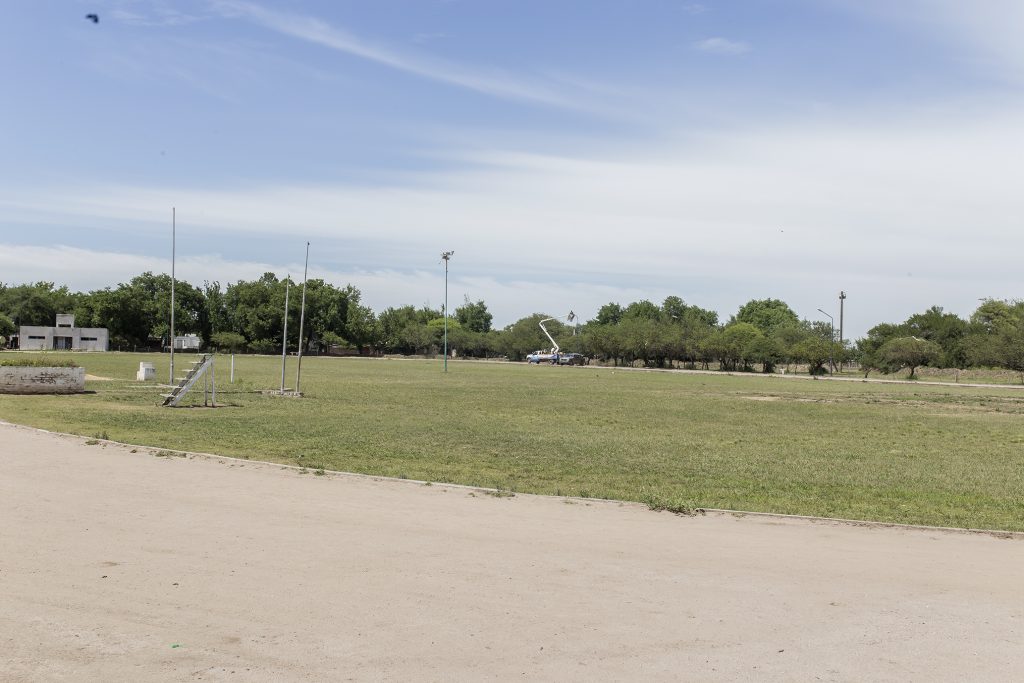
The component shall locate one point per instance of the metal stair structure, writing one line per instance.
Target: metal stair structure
(198, 369)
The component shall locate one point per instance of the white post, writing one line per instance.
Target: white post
(232, 368)
(213, 381)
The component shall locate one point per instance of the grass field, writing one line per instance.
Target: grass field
(949, 456)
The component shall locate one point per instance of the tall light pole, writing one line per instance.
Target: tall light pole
(173, 245)
(831, 340)
(446, 256)
(842, 298)
(302, 319)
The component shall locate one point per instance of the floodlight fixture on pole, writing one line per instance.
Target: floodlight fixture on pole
(284, 336)
(302, 320)
(173, 245)
(842, 298)
(446, 256)
(831, 340)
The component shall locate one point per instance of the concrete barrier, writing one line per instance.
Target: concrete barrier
(29, 380)
(146, 372)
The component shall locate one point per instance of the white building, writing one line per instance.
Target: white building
(63, 336)
(188, 342)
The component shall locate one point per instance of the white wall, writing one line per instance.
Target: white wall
(16, 380)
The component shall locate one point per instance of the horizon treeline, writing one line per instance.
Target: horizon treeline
(762, 335)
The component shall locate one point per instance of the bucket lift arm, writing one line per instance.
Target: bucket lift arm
(554, 345)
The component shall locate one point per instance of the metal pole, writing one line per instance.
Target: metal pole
(831, 347)
(446, 315)
(173, 249)
(302, 319)
(445, 256)
(842, 298)
(232, 368)
(284, 336)
(831, 341)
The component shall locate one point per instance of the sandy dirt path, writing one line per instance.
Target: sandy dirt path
(118, 566)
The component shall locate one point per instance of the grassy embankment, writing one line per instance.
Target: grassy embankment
(887, 452)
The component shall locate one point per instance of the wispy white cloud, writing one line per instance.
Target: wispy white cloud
(152, 13)
(903, 212)
(721, 46)
(314, 30)
(990, 30)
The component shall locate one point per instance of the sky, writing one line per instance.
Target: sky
(571, 153)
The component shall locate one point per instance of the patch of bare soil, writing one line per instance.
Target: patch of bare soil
(118, 565)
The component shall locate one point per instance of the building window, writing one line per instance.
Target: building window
(88, 338)
(34, 336)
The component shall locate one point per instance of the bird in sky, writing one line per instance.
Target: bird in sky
(94, 18)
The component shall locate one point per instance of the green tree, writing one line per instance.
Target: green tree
(474, 316)
(7, 327)
(739, 345)
(609, 314)
(945, 329)
(140, 309)
(418, 337)
(361, 326)
(995, 314)
(227, 341)
(814, 351)
(766, 315)
(673, 308)
(604, 342)
(642, 309)
(868, 348)
(36, 304)
(908, 352)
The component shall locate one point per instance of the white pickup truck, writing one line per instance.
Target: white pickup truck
(542, 357)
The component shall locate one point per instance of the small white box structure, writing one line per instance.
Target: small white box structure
(188, 342)
(146, 372)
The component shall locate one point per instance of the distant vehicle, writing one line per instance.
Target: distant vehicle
(538, 357)
(572, 359)
(553, 356)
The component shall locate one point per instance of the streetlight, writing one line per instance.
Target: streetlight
(174, 228)
(446, 256)
(842, 299)
(831, 340)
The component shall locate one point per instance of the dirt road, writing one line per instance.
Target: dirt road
(118, 566)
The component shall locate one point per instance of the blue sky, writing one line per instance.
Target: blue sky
(571, 153)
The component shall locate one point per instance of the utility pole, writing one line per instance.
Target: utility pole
(842, 298)
(173, 238)
(302, 319)
(445, 256)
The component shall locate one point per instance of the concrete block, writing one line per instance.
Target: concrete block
(146, 372)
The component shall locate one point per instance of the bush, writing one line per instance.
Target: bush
(36, 363)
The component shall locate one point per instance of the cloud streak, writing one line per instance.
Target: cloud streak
(313, 30)
(721, 46)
